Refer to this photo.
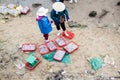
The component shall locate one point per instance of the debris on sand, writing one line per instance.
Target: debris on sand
(13, 10)
(89, 71)
(92, 14)
(119, 72)
(118, 4)
(72, 24)
(4, 60)
(56, 75)
(4, 19)
(63, 75)
(35, 5)
(109, 60)
(104, 12)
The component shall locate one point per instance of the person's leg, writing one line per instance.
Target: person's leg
(58, 28)
(64, 28)
(46, 37)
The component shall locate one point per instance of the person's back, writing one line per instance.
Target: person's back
(56, 15)
(43, 22)
(59, 14)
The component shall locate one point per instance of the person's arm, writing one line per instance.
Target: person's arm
(52, 15)
(66, 14)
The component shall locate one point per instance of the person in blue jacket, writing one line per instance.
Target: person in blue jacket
(43, 22)
(59, 14)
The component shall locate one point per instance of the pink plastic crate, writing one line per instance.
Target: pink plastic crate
(71, 47)
(25, 10)
(43, 49)
(51, 45)
(28, 47)
(60, 41)
(59, 55)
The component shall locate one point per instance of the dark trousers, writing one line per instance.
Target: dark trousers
(62, 25)
(62, 1)
(46, 36)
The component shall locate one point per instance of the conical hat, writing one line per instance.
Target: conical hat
(58, 6)
(42, 11)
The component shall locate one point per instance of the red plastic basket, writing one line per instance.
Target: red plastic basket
(28, 47)
(43, 49)
(59, 55)
(70, 35)
(71, 47)
(60, 41)
(51, 45)
(27, 65)
(25, 10)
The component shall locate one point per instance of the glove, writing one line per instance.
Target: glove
(67, 17)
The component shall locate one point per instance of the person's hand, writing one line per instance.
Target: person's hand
(61, 19)
(51, 21)
(67, 17)
(36, 19)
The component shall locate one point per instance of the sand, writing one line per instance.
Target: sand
(100, 38)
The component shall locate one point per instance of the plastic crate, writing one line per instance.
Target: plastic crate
(70, 35)
(71, 47)
(59, 55)
(25, 10)
(51, 45)
(27, 65)
(28, 47)
(60, 41)
(43, 49)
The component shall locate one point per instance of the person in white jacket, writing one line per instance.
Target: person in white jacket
(71, 1)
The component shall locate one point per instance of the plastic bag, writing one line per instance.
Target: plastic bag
(3, 10)
(49, 57)
(13, 12)
(11, 6)
(20, 66)
(96, 63)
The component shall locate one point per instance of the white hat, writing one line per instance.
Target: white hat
(42, 11)
(58, 6)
